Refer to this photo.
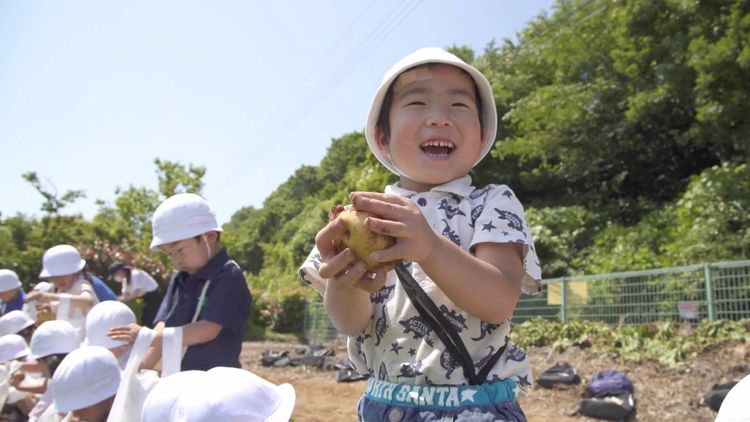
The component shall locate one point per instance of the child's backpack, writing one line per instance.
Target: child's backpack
(562, 374)
(715, 397)
(609, 397)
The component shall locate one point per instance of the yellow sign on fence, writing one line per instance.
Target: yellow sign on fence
(577, 293)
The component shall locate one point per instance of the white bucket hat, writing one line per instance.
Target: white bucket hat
(162, 399)
(425, 56)
(43, 286)
(61, 260)
(85, 377)
(233, 394)
(9, 280)
(182, 216)
(14, 321)
(54, 337)
(104, 316)
(12, 347)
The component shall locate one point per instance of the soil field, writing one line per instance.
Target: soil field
(662, 393)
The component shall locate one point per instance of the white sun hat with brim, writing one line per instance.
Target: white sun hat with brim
(234, 394)
(84, 378)
(61, 260)
(426, 56)
(182, 216)
(13, 347)
(9, 280)
(43, 286)
(14, 322)
(162, 399)
(103, 317)
(54, 337)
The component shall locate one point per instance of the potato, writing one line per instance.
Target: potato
(43, 315)
(358, 237)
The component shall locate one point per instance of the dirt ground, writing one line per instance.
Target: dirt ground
(662, 393)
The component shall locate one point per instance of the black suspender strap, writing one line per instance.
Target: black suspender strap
(443, 329)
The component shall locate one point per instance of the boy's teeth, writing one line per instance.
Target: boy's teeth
(445, 144)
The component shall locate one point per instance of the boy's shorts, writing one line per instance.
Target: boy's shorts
(495, 401)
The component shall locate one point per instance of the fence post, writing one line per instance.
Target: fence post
(710, 301)
(564, 296)
(305, 333)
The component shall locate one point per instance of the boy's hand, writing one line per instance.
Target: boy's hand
(341, 269)
(399, 218)
(126, 333)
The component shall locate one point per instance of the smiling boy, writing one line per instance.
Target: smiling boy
(433, 333)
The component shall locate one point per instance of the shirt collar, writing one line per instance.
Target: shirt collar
(211, 268)
(461, 187)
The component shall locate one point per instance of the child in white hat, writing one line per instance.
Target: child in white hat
(466, 255)
(50, 344)
(11, 295)
(74, 296)
(13, 347)
(161, 400)
(221, 394)
(13, 352)
(208, 299)
(17, 322)
(85, 383)
(102, 318)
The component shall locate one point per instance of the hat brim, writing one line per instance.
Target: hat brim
(16, 285)
(157, 241)
(286, 406)
(45, 272)
(422, 57)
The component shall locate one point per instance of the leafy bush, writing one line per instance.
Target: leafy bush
(665, 342)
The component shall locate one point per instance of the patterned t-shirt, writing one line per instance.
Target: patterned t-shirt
(397, 345)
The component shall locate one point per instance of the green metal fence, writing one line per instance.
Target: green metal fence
(318, 327)
(719, 290)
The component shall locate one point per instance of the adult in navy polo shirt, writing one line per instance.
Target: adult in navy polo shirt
(208, 298)
(11, 295)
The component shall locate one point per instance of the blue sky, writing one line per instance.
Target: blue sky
(92, 91)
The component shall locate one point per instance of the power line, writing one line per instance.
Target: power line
(384, 27)
(382, 30)
(312, 70)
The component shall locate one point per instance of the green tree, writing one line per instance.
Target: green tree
(176, 178)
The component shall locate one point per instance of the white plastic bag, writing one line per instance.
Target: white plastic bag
(73, 315)
(4, 384)
(135, 383)
(171, 351)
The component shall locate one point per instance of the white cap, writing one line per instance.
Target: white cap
(162, 399)
(734, 407)
(104, 316)
(233, 394)
(14, 321)
(182, 216)
(12, 347)
(61, 260)
(425, 56)
(43, 286)
(9, 280)
(54, 337)
(85, 377)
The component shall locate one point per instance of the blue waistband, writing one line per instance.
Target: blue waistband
(441, 396)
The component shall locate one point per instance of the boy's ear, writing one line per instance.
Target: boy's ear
(383, 141)
(212, 236)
